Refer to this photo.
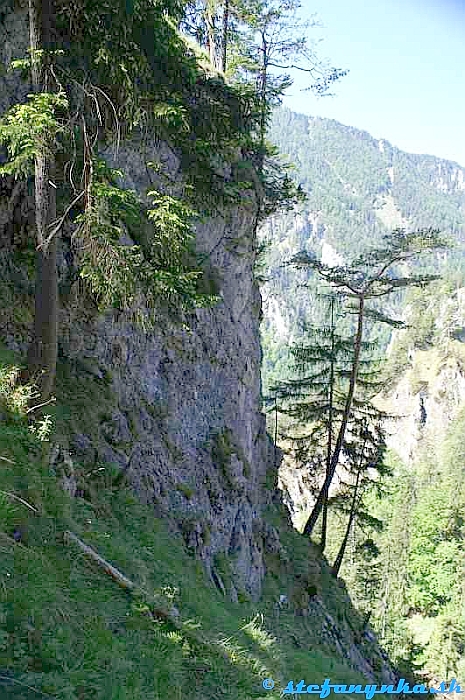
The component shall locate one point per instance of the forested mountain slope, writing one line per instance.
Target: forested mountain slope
(358, 188)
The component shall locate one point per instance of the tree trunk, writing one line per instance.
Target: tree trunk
(310, 524)
(324, 527)
(42, 354)
(342, 550)
(224, 46)
(275, 432)
(262, 86)
(211, 31)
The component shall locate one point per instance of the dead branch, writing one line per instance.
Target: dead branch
(41, 405)
(18, 498)
(109, 569)
(121, 579)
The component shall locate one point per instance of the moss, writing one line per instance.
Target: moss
(222, 447)
(206, 534)
(84, 401)
(132, 423)
(271, 479)
(210, 281)
(221, 451)
(222, 565)
(175, 452)
(247, 468)
(158, 410)
(185, 489)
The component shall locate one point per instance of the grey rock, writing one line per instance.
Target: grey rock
(116, 430)
(83, 449)
(62, 466)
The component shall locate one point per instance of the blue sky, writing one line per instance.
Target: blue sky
(407, 71)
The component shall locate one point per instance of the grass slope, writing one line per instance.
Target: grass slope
(68, 631)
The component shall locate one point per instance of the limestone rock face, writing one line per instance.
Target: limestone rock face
(426, 400)
(13, 45)
(196, 439)
(187, 418)
(430, 392)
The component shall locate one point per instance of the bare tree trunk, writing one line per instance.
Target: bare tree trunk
(342, 549)
(324, 527)
(225, 34)
(262, 92)
(275, 432)
(211, 31)
(317, 508)
(42, 354)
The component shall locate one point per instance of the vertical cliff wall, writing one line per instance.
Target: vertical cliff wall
(186, 420)
(188, 415)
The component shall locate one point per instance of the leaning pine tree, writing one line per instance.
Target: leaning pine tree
(311, 397)
(370, 277)
(314, 397)
(364, 466)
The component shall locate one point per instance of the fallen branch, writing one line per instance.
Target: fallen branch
(109, 569)
(122, 580)
(10, 679)
(18, 498)
(40, 405)
(5, 459)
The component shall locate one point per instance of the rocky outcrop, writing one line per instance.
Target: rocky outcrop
(187, 416)
(361, 653)
(430, 392)
(186, 420)
(197, 443)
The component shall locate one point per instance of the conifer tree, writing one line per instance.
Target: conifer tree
(315, 397)
(364, 462)
(42, 354)
(312, 396)
(370, 277)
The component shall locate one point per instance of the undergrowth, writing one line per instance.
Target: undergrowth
(68, 632)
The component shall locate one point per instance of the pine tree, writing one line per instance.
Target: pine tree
(371, 276)
(365, 461)
(315, 396)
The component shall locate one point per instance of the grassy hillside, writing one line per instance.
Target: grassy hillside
(68, 631)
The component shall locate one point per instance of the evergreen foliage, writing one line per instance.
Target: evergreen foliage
(370, 276)
(132, 74)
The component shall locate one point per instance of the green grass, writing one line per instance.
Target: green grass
(69, 632)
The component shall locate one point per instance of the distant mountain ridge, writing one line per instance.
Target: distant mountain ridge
(359, 188)
(361, 185)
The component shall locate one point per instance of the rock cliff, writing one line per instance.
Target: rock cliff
(187, 415)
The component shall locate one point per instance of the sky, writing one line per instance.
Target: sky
(407, 71)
